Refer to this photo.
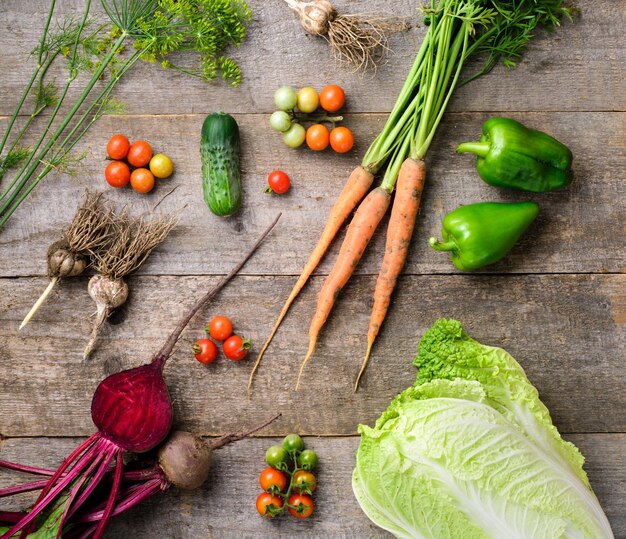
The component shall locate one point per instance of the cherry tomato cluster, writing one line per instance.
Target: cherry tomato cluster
(137, 155)
(288, 483)
(220, 329)
(289, 122)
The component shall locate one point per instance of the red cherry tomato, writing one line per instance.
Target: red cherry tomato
(236, 348)
(278, 182)
(332, 98)
(117, 147)
(341, 139)
(142, 180)
(271, 478)
(265, 500)
(117, 174)
(317, 137)
(303, 505)
(139, 153)
(220, 328)
(205, 351)
(304, 482)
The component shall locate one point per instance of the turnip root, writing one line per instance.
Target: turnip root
(133, 412)
(133, 243)
(357, 40)
(90, 231)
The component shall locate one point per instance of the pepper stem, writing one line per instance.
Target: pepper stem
(481, 149)
(442, 246)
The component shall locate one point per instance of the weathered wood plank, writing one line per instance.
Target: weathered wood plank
(224, 507)
(567, 331)
(579, 229)
(575, 69)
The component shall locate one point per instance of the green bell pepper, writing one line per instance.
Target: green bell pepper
(480, 234)
(512, 155)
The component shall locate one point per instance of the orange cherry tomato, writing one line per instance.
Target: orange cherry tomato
(139, 153)
(271, 478)
(332, 98)
(317, 137)
(304, 481)
(142, 180)
(117, 147)
(117, 174)
(341, 139)
(263, 502)
(303, 505)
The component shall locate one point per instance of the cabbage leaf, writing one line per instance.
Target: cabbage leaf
(470, 452)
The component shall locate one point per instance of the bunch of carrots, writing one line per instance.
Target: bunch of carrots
(458, 30)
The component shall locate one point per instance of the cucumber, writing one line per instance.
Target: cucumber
(221, 177)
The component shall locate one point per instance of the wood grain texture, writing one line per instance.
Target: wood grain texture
(579, 229)
(567, 331)
(575, 69)
(224, 507)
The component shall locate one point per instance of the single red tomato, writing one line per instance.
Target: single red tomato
(117, 174)
(205, 351)
(266, 502)
(332, 98)
(139, 153)
(301, 505)
(117, 147)
(273, 479)
(304, 482)
(341, 139)
(142, 180)
(317, 137)
(236, 348)
(220, 328)
(278, 182)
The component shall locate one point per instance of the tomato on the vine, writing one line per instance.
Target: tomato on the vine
(273, 479)
(117, 174)
(161, 166)
(308, 99)
(332, 98)
(307, 459)
(317, 137)
(304, 481)
(302, 505)
(117, 147)
(236, 348)
(341, 139)
(293, 442)
(276, 457)
(220, 328)
(266, 502)
(205, 351)
(278, 182)
(142, 180)
(139, 153)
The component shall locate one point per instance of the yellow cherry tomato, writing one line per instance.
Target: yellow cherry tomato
(308, 100)
(161, 166)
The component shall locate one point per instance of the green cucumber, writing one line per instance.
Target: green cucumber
(221, 177)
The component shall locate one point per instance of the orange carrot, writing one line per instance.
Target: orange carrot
(403, 214)
(359, 234)
(357, 185)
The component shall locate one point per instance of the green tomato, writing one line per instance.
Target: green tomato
(293, 442)
(294, 136)
(285, 98)
(307, 459)
(308, 99)
(280, 121)
(276, 457)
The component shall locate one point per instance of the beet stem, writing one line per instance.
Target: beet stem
(225, 439)
(40, 301)
(11, 516)
(115, 488)
(24, 487)
(24, 468)
(165, 352)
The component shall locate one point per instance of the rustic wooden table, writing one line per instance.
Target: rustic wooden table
(557, 303)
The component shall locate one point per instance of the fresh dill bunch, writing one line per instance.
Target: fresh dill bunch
(207, 27)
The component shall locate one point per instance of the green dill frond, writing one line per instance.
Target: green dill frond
(113, 106)
(46, 95)
(231, 72)
(13, 158)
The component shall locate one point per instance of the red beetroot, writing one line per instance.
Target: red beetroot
(133, 412)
